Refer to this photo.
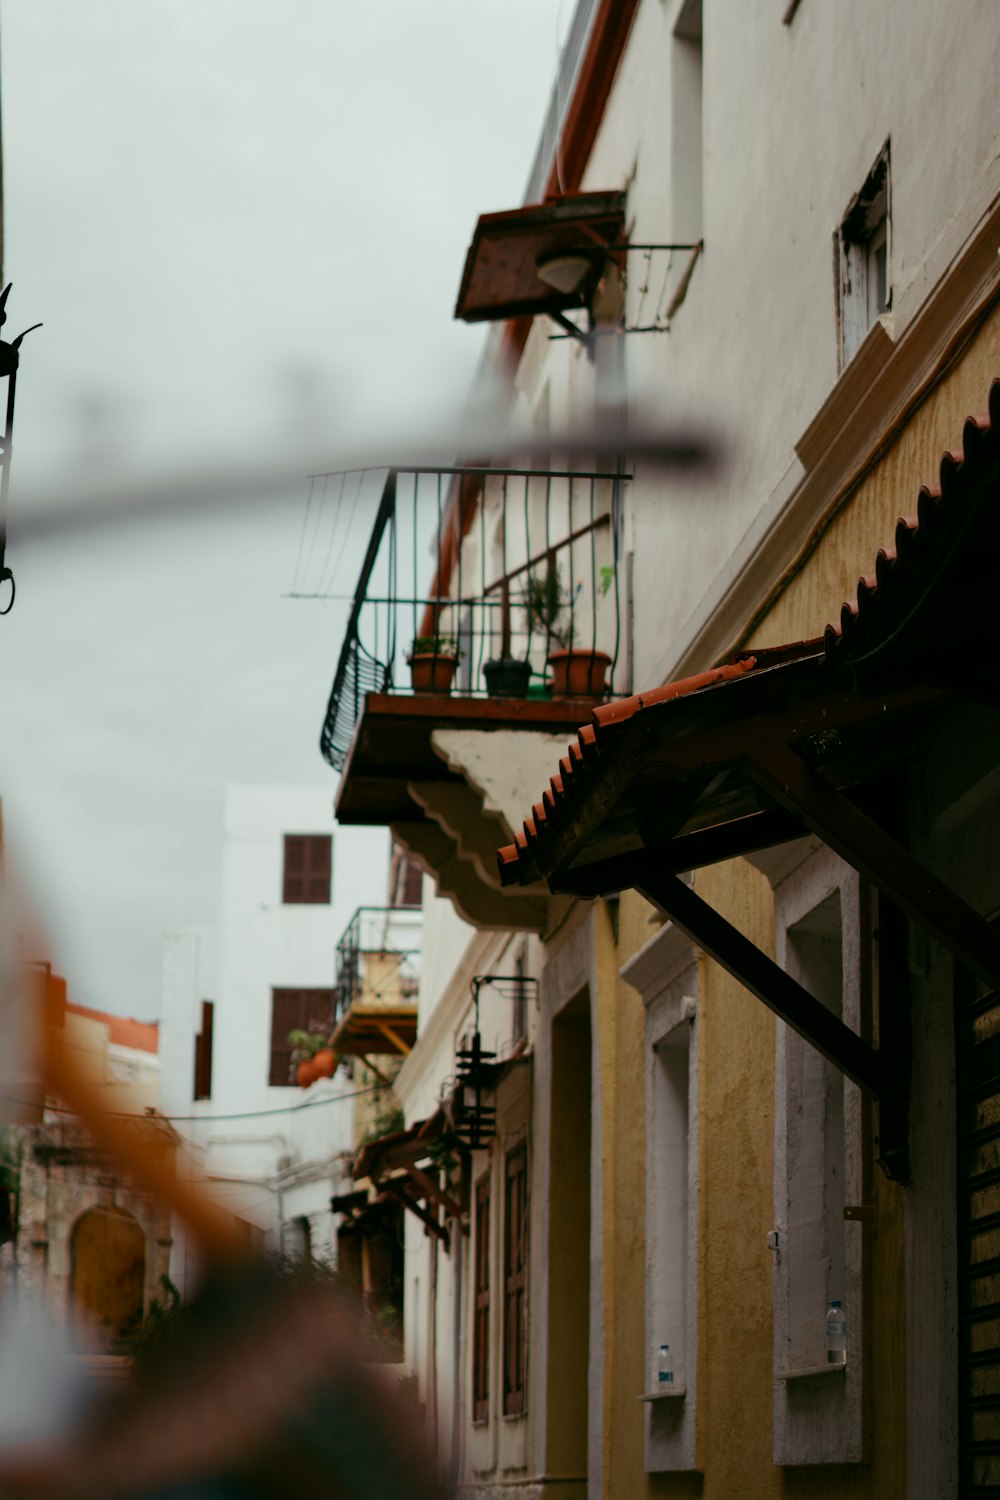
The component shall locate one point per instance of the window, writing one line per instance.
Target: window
(515, 1265)
(203, 1053)
(520, 1016)
(292, 1010)
(863, 260)
(308, 865)
(818, 1254)
(686, 123)
(481, 1327)
(665, 973)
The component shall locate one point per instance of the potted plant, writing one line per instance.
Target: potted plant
(312, 1056)
(507, 677)
(433, 659)
(577, 671)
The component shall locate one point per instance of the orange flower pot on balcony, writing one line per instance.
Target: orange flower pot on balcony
(579, 674)
(432, 672)
(305, 1073)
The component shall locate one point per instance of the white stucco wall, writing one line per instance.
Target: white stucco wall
(270, 1150)
(793, 120)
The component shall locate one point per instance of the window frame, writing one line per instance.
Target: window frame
(865, 228)
(514, 1361)
(817, 1409)
(481, 1301)
(665, 973)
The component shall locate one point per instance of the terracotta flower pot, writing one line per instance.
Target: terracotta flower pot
(325, 1062)
(579, 674)
(432, 673)
(306, 1073)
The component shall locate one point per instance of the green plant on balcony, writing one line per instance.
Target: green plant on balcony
(577, 671)
(433, 659)
(545, 602)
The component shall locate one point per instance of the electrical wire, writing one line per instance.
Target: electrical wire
(250, 1114)
(302, 537)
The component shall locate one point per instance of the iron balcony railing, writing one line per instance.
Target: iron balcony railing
(480, 566)
(378, 959)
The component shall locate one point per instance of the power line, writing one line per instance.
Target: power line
(250, 1114)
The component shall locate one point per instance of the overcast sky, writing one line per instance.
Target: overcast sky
(243, 223)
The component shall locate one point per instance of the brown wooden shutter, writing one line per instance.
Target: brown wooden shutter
(203, 1053)
(307, 869)
(292, 1010)
(319, 860)
(515, 1259)
(412, 884)
(977, 1089)
(481, 1327)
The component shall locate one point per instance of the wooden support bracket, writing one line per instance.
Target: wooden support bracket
(759, 974)
(436, 1194)
(393, 1037)
(860, 841)
(395, 1186)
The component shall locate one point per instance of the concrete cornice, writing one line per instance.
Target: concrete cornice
(659, 963)
(778, 863)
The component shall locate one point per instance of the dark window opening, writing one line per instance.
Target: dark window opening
(307, 870)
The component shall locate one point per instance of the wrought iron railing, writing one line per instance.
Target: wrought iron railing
(478, 567)
(378, 959)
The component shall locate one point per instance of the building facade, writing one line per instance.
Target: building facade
(741, 221)
(232, 992)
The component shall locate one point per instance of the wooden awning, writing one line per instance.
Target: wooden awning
(500, 278)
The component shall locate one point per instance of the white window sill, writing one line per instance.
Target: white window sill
(807, 1372)
(673, 1394)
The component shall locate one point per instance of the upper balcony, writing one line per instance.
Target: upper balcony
(487, 621)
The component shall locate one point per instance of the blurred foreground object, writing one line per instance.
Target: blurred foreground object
(10, 358)
(260, 1387)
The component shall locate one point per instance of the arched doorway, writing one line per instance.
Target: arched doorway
(107, 1277)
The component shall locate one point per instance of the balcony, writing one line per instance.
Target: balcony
(377, 977)
(503, 587)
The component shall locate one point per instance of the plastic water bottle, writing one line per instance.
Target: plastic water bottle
(836, 1335)
(664, 1369)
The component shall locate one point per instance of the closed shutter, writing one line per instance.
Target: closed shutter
(292, 1010)
(977, 1057)
(307, 869)
(481, 1328)
(515, 1281)
(203, 1053)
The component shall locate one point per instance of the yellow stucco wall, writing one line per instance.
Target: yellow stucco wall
(736, 1083)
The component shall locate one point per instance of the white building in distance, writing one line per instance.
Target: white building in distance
(231, 993)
